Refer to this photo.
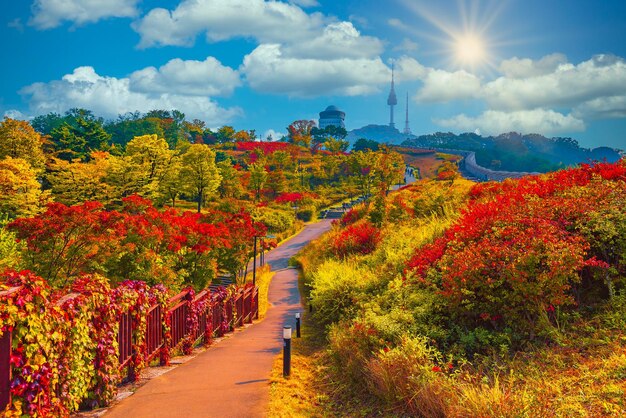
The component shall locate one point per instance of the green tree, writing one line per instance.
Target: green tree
(258, 178)
(172, 124)
(20, 192)
(336, 145)
(18, 139)
(128, 126)
(45, 124)
(80, 134)
(363, 144)
(225, 134)
(231, 180)
(199, 173)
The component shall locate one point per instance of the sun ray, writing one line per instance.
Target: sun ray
(467, 42)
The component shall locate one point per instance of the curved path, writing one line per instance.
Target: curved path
(229, 379)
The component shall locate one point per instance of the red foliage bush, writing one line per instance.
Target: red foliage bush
(289, 197)
(521, 246)
(138, 242)
(266, 147)
(360, 238)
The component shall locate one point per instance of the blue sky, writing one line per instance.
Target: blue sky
(534, 66)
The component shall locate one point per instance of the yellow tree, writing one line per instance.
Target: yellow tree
(241, 136)
(389, 168)
(151, 158)
(231, 179)
(18, 139)
(361, 165)
(300, 132)
(20, 192)
(76, 181)
(171, 183)
(199, 173)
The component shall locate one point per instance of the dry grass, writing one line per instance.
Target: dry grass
(427, 161)
(303, 393)
(586, 381)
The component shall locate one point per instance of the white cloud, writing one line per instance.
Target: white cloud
(110, 96)
(408, 69)
(525, 68)
(397, 23)
(444, 86)
(548, 96)
(268, 70)
(225, 19)
(567, 86)
(49, 14)
(602, 108)
(193, 78)
(493, 122)
(407, 45)
(276, 135)
(298, 53)
(15, 114)
(338, 40)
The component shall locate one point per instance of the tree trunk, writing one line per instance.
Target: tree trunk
(199, 202)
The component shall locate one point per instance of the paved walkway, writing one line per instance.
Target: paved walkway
(229, 379)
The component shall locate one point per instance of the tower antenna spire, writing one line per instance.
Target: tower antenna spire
(407, 129)
(392, 100)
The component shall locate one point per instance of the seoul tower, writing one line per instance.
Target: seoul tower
(392, 100)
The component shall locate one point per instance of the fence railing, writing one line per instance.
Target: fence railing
(5, 358)
(214, 315)
(214, 318)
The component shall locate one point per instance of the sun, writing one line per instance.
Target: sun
(470, 50)
(464, 40)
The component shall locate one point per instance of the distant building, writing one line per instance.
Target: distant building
(332, 116)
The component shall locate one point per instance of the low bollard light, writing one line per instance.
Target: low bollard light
(286, 351)
(298, 324)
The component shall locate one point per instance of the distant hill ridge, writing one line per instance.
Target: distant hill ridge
(508, 152)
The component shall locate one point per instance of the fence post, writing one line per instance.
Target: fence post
(5, 369)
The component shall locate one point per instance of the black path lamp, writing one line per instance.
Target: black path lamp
(286, 351)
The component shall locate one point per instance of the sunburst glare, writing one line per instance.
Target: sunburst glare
(464, 42)
(469, 50)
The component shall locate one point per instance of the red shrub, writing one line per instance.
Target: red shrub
(359, 238)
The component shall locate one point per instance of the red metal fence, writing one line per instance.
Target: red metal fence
(214, 315)
(5, 358)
